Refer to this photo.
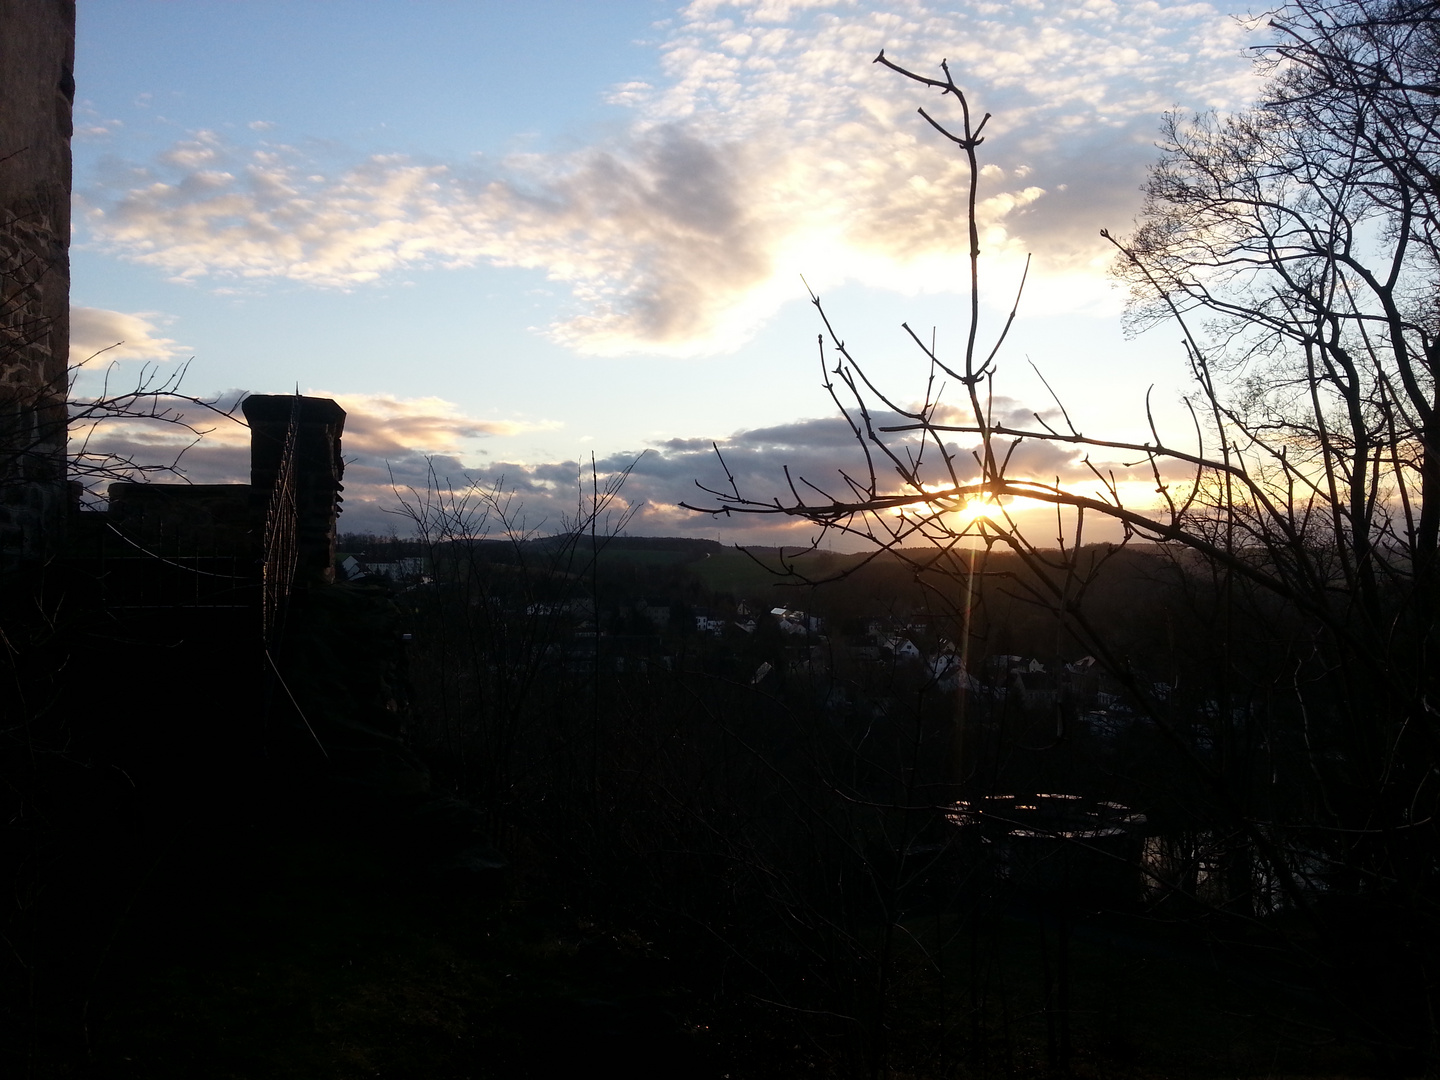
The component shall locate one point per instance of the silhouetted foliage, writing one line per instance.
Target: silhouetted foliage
(1295, 245)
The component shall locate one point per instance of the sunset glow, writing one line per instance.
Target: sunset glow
(709, 538)
(614, 268)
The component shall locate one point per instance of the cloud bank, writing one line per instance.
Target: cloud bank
(396, 450)
(773, 147)
(817, 452)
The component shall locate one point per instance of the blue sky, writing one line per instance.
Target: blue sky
(510, 235)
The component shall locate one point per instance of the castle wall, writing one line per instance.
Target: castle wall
(318, 469)
(37, 90)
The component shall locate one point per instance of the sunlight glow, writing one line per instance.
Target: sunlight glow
(976, 510)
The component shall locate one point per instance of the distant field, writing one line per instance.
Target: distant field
(740, 574)
(632, 556)
(733, 572)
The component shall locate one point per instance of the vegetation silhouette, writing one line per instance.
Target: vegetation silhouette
(964, 804)
(1294, 245)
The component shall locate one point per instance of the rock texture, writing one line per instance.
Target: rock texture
(37, 89)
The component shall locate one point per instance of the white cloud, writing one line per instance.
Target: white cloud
(381, 425)
(118, 335)
(773, 147)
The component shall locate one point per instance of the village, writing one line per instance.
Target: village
(753, 641)
(638, 632)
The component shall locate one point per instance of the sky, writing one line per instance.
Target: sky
(507, 237)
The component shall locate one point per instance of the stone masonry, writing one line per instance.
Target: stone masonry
(37, 89)
(318, 471)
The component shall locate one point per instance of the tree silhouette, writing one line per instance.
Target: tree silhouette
(1295, 245)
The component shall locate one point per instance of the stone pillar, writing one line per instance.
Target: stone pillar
(318, 469)
(37, 89)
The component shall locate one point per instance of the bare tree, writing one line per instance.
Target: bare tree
(507, 594)
(45, 419)
(1295, 245)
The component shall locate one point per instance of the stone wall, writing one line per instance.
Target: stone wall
(230, 520)
(37, 89)
(186, 521)
(318, 468)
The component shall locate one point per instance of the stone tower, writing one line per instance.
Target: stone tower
(37, 90)
(316, 471)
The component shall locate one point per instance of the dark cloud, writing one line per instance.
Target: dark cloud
(383, 473)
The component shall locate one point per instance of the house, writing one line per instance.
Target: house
(410, 569)
(901, 648)
(707, 625)
(948, 671)
(656, 611)
(582, 608)
(407, 570)
(795, 622)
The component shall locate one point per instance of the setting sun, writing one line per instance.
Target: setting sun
(977, 510)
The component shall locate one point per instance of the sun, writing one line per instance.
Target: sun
(976, 510)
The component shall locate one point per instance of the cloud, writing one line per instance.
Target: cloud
(771, 147)
(387, 441)
(380, 425)
(818, 452)
(121, 336)
(405, 451)
(91, 126)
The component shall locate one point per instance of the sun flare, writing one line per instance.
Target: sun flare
(976, 510)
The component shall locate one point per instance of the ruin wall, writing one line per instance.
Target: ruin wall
(37, 90)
